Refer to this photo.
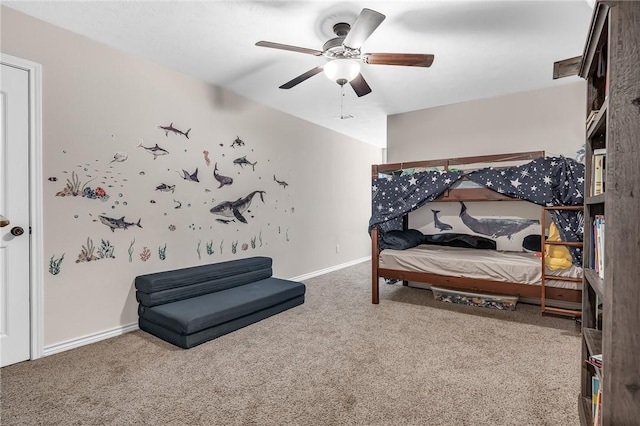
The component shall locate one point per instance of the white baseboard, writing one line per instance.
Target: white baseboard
(117, 331)
(91, 338)
(330, 269)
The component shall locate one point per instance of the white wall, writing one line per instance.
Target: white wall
(98, 102)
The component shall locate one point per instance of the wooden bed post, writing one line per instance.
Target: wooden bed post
(375, 252)
(375, 281)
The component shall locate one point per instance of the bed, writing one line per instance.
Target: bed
(463, 179)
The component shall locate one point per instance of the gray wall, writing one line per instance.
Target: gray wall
(99, 102)
(547, 119)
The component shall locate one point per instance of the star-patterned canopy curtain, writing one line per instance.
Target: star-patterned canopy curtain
(395, 196)
(549, 181)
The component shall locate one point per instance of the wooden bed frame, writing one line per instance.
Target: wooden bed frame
(461, 194)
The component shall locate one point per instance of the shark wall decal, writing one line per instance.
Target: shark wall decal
(170, 128)
(153, 150)
(494, 227)
(236, 208)
(118, 223)
(242, 161)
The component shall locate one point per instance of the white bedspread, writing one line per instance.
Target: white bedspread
(518, 267)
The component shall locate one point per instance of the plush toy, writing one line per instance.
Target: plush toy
(556, 257)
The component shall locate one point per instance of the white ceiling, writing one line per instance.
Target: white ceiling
(482, 49)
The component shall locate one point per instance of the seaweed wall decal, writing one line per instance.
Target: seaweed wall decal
(54, 264)
(162, 252)
(106, 250)
(131, 250)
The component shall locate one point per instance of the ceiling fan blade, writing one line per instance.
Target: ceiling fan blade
(288, 47)
(302, 77)
(366, 23)
(360, 86)
(405, 59)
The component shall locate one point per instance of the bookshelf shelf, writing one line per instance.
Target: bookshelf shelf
(596, 199)
(611, 306)
(597, 125)
(596, 283)
(593, 339)
(584, 410)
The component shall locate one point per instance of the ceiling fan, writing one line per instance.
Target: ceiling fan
(343, 53)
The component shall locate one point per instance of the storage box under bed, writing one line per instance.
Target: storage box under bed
(493, 301)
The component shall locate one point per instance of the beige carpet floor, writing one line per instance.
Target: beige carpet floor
(336, 360)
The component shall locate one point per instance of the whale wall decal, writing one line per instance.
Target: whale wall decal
(494, 227)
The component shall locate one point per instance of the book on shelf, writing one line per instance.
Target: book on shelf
(599, 171)
(597, 417)
(597, 252)
(595, 387)
(595, 360)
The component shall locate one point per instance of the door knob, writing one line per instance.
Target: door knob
(16, 231)
(3, 221)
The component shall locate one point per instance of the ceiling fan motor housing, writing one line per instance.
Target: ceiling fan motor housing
(341, 29)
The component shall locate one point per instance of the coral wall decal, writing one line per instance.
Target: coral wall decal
(145, 254)
(75, 188)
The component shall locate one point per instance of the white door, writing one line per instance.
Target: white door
(14, 209)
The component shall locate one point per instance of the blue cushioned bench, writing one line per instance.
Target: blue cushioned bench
(190, 306)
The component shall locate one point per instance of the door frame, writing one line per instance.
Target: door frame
(36, 241)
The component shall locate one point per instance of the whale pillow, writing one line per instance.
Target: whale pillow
(401, 240)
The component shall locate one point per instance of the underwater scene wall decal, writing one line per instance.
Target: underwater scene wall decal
(138, 179)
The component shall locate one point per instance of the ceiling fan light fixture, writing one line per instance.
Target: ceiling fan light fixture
(342, 70)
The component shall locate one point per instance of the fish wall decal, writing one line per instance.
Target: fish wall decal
(280, 182)
(118, 223)
(163, 187)
(119, 157)
(223, 180)
(243, 161)
(225, 221)
(237, 142)
(156, 151)
(236, 208)
(172, 129)
(494, 227)
(440, 225)
(193, 177)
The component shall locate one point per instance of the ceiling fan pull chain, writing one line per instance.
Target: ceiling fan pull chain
(341, 102)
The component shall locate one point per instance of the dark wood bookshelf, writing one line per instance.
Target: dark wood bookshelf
(611, 306)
